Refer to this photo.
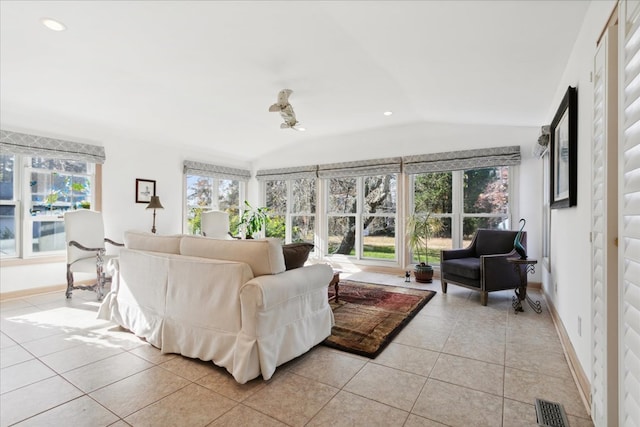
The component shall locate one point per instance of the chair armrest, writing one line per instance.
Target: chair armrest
(113, 242)
(457, 253)
(84, 248)
(498, 272)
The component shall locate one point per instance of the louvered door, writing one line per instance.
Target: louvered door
(629, 215)
(604, 282)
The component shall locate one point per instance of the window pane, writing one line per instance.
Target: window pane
(486, 190)
(342, 195)
(275, 227)
(342, 237)
(43, 198)
(48, 236)
(61, 165)
(433, 192)
(228, 195)
(8, 230)
(380, 193)
(194, 220)
(302, 228)
(276, 192)
(304, 195)
(199, 191)
(440, 239)
(378, 237)
(7, 167)
(80, 190)
(471, 224)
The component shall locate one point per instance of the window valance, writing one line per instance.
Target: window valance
(361, 168)
(40, 146)
(215, 171)
(462, 160)
(287, 173)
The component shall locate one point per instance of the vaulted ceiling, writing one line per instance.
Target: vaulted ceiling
(204, 73)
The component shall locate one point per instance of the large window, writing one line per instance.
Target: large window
(460, 202)
(33, 203)
(361, 216)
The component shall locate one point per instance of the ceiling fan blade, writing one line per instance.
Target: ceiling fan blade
(275, 108)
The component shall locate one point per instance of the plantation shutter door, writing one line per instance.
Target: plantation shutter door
(629, 215)
(604, 282)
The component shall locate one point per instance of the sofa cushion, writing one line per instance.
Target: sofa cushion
(146, 241)
(464, 267)
(264, 256)
(296, 254)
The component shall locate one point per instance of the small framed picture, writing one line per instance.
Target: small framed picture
(145, 188)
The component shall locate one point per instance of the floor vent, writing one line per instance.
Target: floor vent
(550, 414)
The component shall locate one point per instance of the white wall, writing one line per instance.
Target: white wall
(570, 246)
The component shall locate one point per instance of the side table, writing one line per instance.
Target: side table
(335, 281)
(524, 266)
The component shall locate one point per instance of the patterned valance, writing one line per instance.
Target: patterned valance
(287, 173)
(361, 168)
(214, 171)
(462, 160)
(40, 146)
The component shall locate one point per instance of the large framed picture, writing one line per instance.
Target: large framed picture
(145, 188)
(564, 152)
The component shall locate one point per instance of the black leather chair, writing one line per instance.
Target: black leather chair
(483, 264)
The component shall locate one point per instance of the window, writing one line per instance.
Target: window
(433, 194)
(8, 206)
(41, 178)
(46, 189)
(461, 202)
(361, 216)
(206, 193)
(292, 209)
(53, 186)
(211, 187)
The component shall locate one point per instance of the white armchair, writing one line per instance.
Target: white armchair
(84, 231)
(215, 224)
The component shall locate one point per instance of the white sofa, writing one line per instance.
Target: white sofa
(228, 301)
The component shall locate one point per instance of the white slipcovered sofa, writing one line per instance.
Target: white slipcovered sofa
(228, 301)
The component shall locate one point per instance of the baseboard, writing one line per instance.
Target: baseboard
(41, 290)
(579, 376)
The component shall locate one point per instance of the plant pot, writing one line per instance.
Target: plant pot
(423, 273)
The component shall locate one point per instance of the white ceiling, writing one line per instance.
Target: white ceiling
(203, 73)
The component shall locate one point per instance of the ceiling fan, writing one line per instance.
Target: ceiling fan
(286, 111)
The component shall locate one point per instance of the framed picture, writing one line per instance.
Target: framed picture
(145, 188)
(564, 153)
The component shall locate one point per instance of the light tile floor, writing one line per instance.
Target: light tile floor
(455, 364)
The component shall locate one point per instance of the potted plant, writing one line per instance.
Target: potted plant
(253, 220)
(419, 230)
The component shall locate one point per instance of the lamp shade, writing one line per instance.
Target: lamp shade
(154, 203)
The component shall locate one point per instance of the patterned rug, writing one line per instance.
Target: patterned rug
(368, 316)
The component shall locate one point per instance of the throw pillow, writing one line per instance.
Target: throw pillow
(296, 254)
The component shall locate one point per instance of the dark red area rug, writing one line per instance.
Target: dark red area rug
(368, 316)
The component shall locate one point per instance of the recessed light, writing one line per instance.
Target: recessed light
(388, 113)
(301, 129)
(53, 25)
